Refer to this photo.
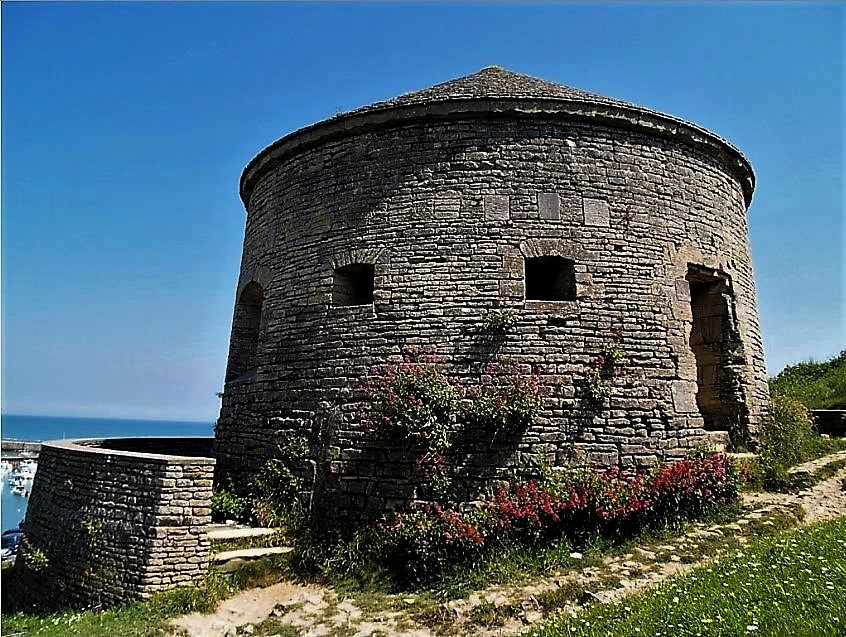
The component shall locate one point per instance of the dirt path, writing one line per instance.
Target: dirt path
(314, 611)
(825, 500)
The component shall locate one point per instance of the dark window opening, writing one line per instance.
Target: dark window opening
(354, 284)
(718, 350)
(550, 279)
(246, 332)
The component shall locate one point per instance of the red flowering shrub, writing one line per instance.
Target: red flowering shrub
(425, 540)
(692, 487)
(574, 504)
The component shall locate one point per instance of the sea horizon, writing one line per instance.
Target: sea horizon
(38, 428)
(21, 415)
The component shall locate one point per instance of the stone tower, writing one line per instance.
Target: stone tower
(406, 223)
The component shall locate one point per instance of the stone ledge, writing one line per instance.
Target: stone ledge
(94, 446)
(222, 532)
(250, 554)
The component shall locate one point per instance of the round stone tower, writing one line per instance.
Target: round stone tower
(567, 220)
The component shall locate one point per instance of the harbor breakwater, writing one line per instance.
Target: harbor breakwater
(12, 448)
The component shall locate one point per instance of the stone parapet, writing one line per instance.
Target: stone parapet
(110, 520)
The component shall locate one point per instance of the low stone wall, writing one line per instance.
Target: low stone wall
(108, 521)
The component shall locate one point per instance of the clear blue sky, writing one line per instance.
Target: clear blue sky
(125, 128)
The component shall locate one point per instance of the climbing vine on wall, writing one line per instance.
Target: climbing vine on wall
(498, 322)
(505, 399)
(606, 368)
(418, 400)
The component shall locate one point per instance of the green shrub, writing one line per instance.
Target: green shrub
(226, 504)
(607, 367)
(786, 439)
(276, 493)
(506, 399)
(33, 556)
(787, 432)
(817, 384)
(498, 322)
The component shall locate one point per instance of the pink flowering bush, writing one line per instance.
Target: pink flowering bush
(573, 505)
(506, 400)
(417, 400)
(420, 401)
(692, 487)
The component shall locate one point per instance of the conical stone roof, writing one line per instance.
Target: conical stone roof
(497, 90)
(494, 82)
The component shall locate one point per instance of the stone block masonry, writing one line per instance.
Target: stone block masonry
(402, 225)
(115, 520)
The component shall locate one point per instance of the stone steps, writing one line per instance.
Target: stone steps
(746, 455)
(228, 532)
(228, 561)
(720, 440)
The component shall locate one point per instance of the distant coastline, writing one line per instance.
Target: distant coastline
(40, 428)
(12, 446)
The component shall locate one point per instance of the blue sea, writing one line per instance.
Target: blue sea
(40, 428)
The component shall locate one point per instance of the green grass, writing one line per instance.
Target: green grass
(793, 583)
(816, 384)
(148, 618)
(139, 619)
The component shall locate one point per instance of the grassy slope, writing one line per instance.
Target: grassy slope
(139, 619)
(793, 583)
(818, 385)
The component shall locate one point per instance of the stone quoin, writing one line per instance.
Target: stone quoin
(401, 226)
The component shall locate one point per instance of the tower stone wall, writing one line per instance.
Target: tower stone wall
(426, 210)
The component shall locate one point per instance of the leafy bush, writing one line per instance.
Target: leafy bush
(506, 399)
(276, 492)
(573, 505)
(691, 488)
(787, 432)
(425, 540)
(226, 504)
(607, 367)
(786, 439)
(272, 498)
(818, 385)
(418, 400)
(33, 556)
(499, 322)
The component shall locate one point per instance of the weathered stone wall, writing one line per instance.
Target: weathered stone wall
(116, 524)
(447, 203)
